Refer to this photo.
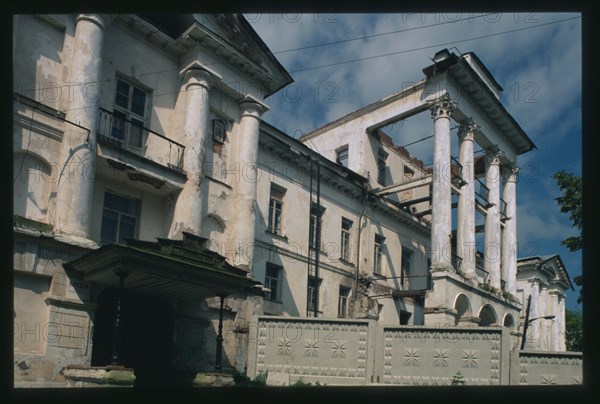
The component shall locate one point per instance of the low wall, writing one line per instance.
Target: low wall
(415, 355)
(543, 367)
(360, 352)
(329, 351)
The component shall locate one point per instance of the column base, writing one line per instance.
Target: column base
(213, 379)
(98, 376)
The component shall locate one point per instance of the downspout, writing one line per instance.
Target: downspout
(360, 218)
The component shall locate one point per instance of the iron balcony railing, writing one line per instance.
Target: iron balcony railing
(457, 263)
(129, 135)
(482, 273)
(482, 192)
(456, 170)
(503, 209)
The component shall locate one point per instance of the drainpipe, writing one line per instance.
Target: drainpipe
(362, 213)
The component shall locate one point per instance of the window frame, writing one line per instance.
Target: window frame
(270, 278)
(137, 204)
(312, 227)
(344, 150)
(315, 294)
(346, 240)
(379, 245)
(219, 130)
(382, 156)
(276, 205)
(343, 301)
(406, 255)
(129, 115)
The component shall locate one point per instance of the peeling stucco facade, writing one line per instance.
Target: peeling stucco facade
(181, 143)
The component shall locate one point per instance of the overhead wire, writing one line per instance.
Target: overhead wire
(358, 59)
(431, 46)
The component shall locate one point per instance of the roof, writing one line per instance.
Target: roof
(463, 72)
(236, 32)
(541, 260)
(184, 269)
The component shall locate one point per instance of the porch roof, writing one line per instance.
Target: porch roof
(184, 269)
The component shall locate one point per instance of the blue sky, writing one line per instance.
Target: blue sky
(539, 69)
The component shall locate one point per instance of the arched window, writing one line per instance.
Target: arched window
(31, 186)
(509, 321)
(487, 316)
(462, 307)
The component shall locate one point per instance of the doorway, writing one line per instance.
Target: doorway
(146, 335)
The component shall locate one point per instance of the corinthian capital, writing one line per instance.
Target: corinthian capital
(467, 129)
(510, 172)
(442, 107)
(493, 155)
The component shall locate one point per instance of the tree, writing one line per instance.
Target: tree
(570, 202)
(574, 325)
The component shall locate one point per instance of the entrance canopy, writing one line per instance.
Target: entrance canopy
(183, 269)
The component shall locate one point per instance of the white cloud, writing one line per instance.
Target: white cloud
(549, 57)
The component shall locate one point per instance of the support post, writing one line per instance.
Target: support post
(492, 248)
(188, 208)
(441, 210)
(219, 353)
(116, 354)
(465, 232)
(509, 235)
(75, 190)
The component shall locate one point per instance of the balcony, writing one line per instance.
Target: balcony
(482, 193)
(127, 135)
(412, 285)
(482, 274)
(456, 169)
(503, 215)
(457, 263)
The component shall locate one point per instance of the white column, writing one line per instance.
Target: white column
(75, 187)
(248, 133)
(188, 208)
(562, 344)
(555, 339)
(465, 233)
(441, 210)
(509, 235)
(492, 250)
(543, 311)
(533, 329)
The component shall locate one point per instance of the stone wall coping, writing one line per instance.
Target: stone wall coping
(106, 367)
(551, 353)
(313, 320)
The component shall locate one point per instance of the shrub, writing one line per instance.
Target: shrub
(458, 379)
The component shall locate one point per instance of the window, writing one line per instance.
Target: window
(218, 130)
(316, 216)
(345, 244)
(275, 209)
(405, 317)
(343, 301)
(119, 219)
(409, 173)
(405, 270)
(381, 167)
(129, 114)
(272, 274)
(378, 254)
(342, 156)
(313, 294)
